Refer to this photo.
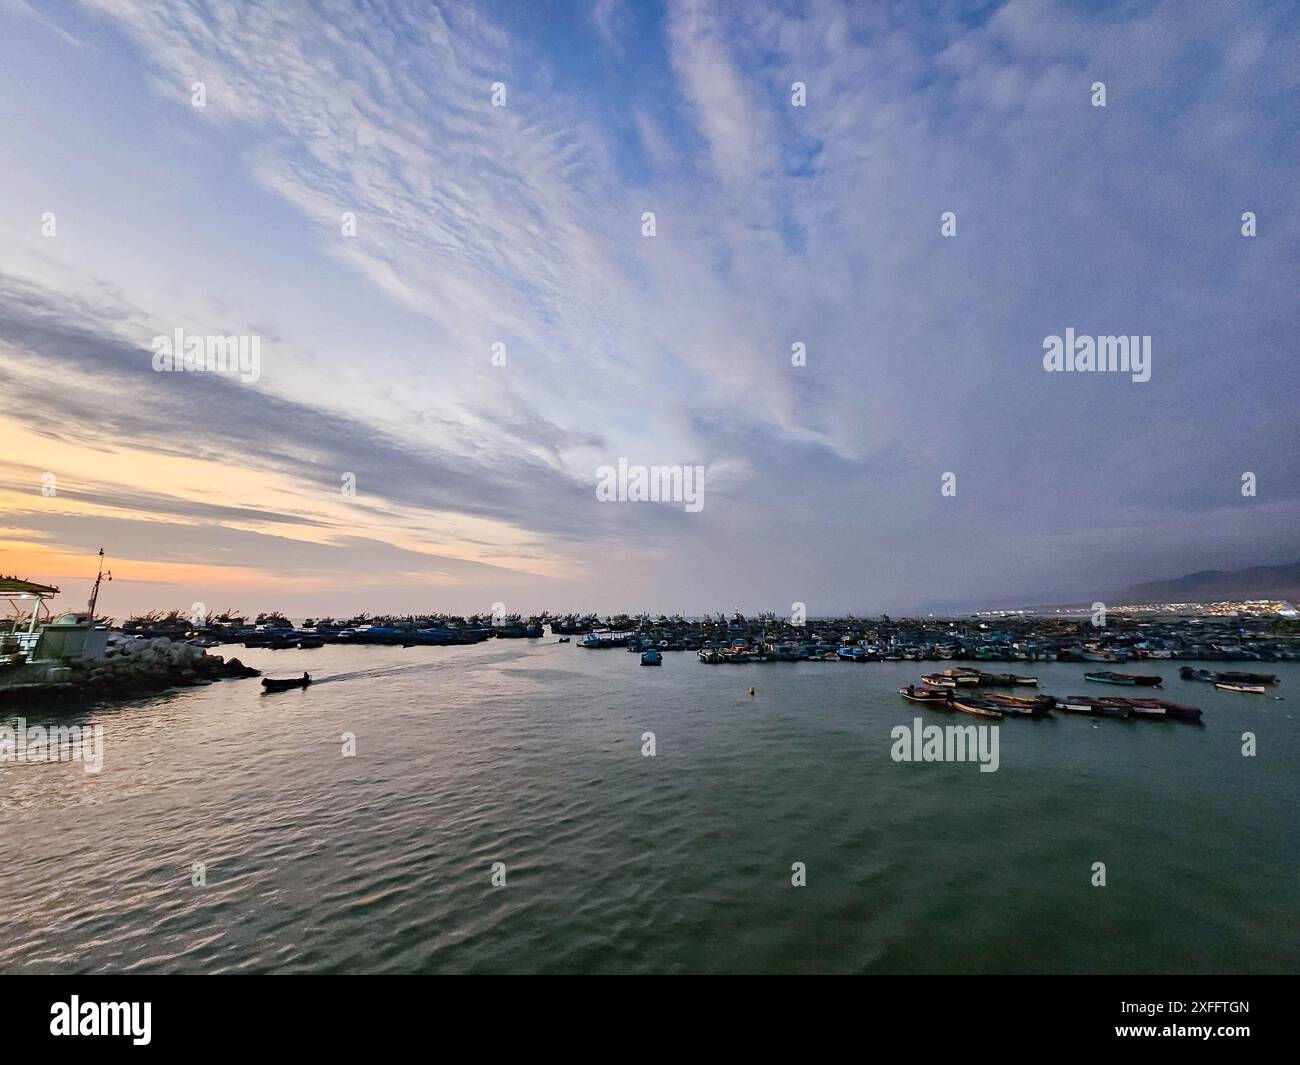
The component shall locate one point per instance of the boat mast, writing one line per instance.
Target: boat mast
(94, 592)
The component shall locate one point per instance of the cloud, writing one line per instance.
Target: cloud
(776, 224)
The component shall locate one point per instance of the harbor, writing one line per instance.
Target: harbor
(46, 657)
(531, 753)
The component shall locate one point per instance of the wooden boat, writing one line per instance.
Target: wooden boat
(1250, 689)
(978, 707)
(1147, 708)
(1083, 704)
(1022, 705)
(914, 694)
(1005, 680)
(1246, 678)
(270, 685)
(1180, 712)
(1122, 678)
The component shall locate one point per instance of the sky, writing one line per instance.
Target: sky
(442, 381)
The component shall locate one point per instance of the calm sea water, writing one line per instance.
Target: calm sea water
(529, 753)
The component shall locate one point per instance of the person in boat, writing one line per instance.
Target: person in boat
(306, 677)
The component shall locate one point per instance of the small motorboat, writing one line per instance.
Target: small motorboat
(914, 694)
(1249, 689)
(708, 655)
(1123, 678)
(269, 685)
(977, 707)
(851, 654)
(652, 658)
(307, 642)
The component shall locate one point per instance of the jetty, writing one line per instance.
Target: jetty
(74, 657)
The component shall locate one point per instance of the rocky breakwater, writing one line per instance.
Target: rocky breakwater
(130, 667)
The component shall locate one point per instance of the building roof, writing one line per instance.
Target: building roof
(17, 586)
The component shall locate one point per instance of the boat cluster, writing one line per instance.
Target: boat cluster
(276, 632)
(963, 690)
(769, 638)
(1247, 683)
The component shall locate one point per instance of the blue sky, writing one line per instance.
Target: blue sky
(522, 225)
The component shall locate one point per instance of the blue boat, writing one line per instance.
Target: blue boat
(652, 658)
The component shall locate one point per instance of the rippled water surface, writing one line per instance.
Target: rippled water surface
(529, 753)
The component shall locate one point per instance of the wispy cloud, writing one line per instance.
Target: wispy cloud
(776, 224)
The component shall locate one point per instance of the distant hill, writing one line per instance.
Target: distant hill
(1259, 582)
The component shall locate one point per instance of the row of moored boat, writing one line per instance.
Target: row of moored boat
(962, 689)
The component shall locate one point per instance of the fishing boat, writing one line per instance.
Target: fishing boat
(270, 685)
(851, 654)
(306, 643)
(1249, 689)
(708, 655)
(1122, 678)
(1160, 708)
(1151, 708)
(1005, 680)
(1246, 678)
(1083, 704)
(1021, 705)
(914, 694)
(652, 658)
(1180, 712)
(978, 707)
